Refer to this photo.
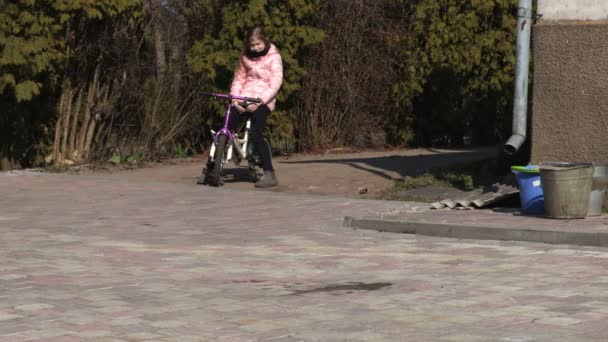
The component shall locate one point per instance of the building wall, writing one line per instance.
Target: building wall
(573, 9)
(570, 84)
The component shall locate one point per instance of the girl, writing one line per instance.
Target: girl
(259, 74)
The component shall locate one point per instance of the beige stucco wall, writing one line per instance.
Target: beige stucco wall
(570, 92)
(573, 9)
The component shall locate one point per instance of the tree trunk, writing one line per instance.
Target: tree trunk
(87, 115)
(176, 63)
(6, 164)
(58, 125)
(74, 124)
(159, 40)
(89, 139)
(67, 114)
(103, 105)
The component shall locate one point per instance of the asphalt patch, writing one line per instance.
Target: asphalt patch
(349, 287)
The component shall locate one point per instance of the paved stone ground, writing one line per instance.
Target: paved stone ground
(93, 259)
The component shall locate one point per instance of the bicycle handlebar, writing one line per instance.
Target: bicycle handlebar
(232, 97)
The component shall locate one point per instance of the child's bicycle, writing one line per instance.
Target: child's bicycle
(231, 146)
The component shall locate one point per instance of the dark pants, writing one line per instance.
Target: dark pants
(256, 135)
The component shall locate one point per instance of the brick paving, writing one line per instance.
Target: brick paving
(92, 259)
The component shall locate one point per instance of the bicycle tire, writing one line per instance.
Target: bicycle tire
(215, 178)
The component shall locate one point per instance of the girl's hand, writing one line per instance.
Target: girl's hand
(252, 107)
(238, 106)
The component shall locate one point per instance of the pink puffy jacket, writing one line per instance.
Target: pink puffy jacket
(259, 77)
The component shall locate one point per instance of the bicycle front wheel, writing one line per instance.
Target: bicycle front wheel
(215, 178)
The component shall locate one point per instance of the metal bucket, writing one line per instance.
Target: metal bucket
(598, 190)
(567, 189)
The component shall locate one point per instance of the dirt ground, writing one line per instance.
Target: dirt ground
(333, 173)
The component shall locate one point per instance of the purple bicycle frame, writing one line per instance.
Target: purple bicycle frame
(225, 130)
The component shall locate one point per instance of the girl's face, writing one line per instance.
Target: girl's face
(256, 44)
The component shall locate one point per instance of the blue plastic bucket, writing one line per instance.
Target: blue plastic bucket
(530, 190)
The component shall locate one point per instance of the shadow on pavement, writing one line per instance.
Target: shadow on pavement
(407, 165)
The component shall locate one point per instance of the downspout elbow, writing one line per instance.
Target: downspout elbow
(514, 143)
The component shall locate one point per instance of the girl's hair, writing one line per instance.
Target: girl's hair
(258, 32)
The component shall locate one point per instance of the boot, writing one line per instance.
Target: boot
(269, 180)
(202, 180)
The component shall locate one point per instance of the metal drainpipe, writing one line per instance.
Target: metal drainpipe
(520, 102)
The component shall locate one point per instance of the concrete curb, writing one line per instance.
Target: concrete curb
(580, 238)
